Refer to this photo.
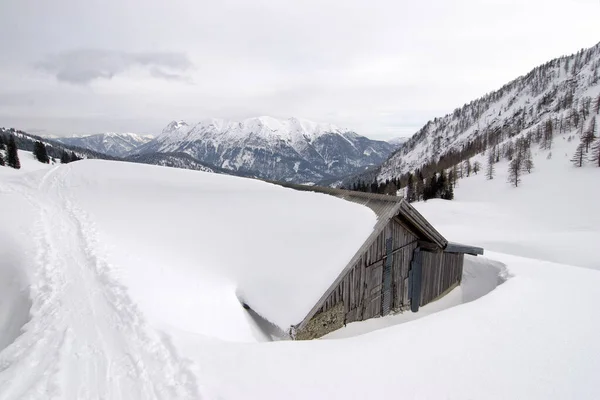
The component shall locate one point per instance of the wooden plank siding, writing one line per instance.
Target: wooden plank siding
(441, 271)
(360, 289)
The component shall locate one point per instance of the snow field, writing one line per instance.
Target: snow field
(124, 281)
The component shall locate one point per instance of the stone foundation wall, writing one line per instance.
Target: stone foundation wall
(323, 323)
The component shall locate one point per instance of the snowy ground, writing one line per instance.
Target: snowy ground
(102, 296)
(553, 215)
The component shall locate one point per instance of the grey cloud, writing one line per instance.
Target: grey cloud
(83, 66)
(161, 73)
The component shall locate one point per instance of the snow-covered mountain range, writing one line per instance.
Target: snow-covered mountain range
(113, 144)
(290, 150)
(558, 97)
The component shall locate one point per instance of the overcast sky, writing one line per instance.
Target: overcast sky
(382, 68)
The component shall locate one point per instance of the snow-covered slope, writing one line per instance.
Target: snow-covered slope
(565, 91)
(291, 150)
(109, 290)
(113, 144)
(553, 215)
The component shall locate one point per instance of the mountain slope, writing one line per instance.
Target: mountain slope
(564, 91)
(291, 150)
(113, 144)
(26, 141)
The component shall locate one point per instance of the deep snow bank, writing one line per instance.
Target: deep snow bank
(188, 243)
(18, 251)
(521, 340)
(14, 291)
(481, 275)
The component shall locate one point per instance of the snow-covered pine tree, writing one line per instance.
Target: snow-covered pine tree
(589, 134)
(467, 167)
(528, 161)
(490, 169)
(12, 154)
(548, 136)
(595, 154)
(1, 160)
(579, 155)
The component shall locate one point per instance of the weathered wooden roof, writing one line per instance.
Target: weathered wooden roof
(385, 207)
(453, 247)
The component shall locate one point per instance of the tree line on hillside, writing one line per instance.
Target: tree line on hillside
(557, 111)
(499, 143)
(9, 155)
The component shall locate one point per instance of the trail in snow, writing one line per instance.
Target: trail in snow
(85, 337)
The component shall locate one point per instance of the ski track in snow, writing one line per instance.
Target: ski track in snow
(85, 338)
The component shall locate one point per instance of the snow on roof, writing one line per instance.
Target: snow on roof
(188, 233)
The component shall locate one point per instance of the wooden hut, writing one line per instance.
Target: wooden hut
(404, 264)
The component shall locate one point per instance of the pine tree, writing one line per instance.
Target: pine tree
(441, 185)
(515, 169)
(548, 136)
(410, 189)
(579, 156)
(419, 189)
(74, 157)
(454, 175)
(588, 136)
(390, 189)
(12, 154)
(527, 160)
(467, 167)
(449, 194)
(446, 191)
(2, 143)
(490, 169)
(476, 167)
(39, 151)
(1, 160)
(595, 155)
(430, 188)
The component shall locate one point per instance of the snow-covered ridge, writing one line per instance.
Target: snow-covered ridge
(292, 149)
(111, 143)
(264, 126)
(136, 136)
(556, 90)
